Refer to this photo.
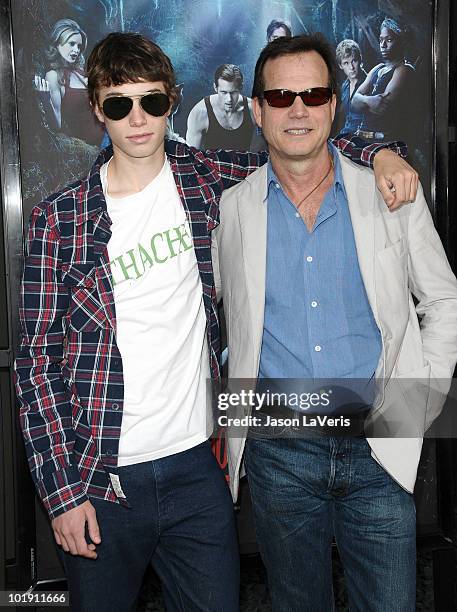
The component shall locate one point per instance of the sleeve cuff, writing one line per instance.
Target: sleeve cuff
(61, 491)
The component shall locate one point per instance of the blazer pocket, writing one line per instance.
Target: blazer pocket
(415, 386)
(392, 279)
(86, 311)
(403, 411)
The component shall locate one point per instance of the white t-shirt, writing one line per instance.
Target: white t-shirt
(161, 322)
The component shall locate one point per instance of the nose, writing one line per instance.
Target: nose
(137, 116)
(298, 108)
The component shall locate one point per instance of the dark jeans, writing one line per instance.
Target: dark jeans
(181, 521)
(304, 493)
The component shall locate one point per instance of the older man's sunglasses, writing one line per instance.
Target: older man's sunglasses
(119, 106)
(282, 98)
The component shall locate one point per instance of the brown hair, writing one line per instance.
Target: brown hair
(293, 46)
(230, 73)
(125, 57)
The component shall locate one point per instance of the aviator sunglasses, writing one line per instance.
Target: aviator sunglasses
(119, 106)
(314, 96)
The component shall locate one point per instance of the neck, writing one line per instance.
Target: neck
(297, 176)
(128, 175)
(393, 62)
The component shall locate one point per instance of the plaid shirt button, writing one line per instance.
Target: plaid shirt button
(115, 406)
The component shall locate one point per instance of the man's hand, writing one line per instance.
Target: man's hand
(395, 178)
(69, 530)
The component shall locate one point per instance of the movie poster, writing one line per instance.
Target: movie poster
(383, 47)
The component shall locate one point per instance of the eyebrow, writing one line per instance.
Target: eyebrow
(111, 94)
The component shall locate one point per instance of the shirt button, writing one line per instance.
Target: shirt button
(309, 258)
(277, 186)
(317, 348)
(297, 214)
(314, 304)
(115, 406)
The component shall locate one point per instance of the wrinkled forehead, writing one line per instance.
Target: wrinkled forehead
(297, 70)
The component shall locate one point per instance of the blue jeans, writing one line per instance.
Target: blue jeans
(305, 492)
(181, 521)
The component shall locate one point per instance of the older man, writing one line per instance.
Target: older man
(316, 279)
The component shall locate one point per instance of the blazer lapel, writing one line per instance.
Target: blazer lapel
(361, 196)
(253, 223)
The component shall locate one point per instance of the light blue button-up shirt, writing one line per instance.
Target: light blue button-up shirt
(318, 321)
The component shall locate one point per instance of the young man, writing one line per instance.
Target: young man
(119, 334)
(317, 279)
(222, 120)
(349, 59)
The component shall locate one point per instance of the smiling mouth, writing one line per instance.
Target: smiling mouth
(298, 131)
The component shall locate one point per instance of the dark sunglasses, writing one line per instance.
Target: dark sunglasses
(117, 107)
(281, 98)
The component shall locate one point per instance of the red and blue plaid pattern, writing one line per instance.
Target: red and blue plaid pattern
(69, 376)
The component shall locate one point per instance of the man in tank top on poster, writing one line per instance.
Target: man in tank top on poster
(119, 337)
(224, 119)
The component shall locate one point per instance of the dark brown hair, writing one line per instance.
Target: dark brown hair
(293, 46)
(230, 73)
(125, 57)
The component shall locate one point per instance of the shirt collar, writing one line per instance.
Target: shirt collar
(338, 182)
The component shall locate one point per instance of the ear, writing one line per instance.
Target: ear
(215, 87)
(98, 113)
(257, 111)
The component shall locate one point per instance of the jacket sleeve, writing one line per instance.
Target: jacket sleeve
(435, 286)
(44, 400)
(234, 166)
(363, 153)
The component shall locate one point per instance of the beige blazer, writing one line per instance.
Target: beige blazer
(399, 254)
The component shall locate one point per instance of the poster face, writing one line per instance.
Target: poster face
(214, 45)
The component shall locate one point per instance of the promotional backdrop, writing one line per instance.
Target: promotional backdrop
(59, 138)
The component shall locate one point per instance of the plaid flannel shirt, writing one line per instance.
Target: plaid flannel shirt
(69, 376)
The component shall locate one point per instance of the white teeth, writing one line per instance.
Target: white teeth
(303, 131)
